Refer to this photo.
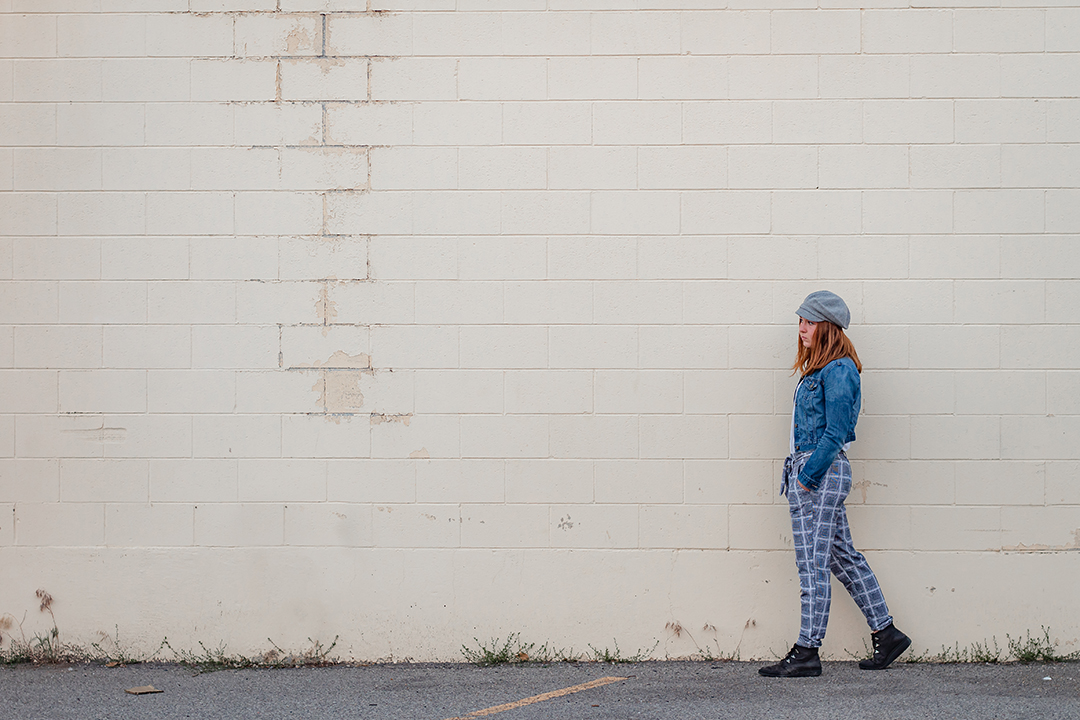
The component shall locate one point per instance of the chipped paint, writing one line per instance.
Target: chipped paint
(326, 309)
(421, 454)
(370, 94)
(1040, 548)
(863, 485)
(326, 64)
(1021, 548)
(340, 391)
(298, 39)
(341, 360)
(380, 418)
(332, 150)
(106, 435)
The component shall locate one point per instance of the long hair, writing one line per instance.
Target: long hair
(830, 343)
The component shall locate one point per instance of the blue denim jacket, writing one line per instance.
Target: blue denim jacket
(826, 409)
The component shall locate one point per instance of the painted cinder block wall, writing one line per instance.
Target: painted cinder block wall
(413, 321)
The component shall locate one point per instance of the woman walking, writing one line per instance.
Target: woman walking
(817, 479)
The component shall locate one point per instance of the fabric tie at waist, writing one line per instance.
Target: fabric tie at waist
(793, 464)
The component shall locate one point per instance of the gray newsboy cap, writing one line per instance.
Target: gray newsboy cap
(825, 305)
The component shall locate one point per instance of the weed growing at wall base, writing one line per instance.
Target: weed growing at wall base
(211, 659)
(48, 648)
(984, 652)
(513, 651)
(706, 653)
(114, 654)
(609, 656)
(1027, 650)
(41, 648)
(1038, 649)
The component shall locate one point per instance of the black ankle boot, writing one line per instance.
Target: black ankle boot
(889, 644)
(800, 662)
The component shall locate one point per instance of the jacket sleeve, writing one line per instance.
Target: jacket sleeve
(840, 381)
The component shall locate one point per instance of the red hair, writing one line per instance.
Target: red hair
(830, 343)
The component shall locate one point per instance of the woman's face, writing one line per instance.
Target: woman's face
(806, 332)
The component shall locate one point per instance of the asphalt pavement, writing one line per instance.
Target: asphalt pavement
(644, 691)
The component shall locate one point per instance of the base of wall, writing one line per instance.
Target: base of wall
(423, 605)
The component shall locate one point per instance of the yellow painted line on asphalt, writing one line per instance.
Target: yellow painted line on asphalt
(539, 698)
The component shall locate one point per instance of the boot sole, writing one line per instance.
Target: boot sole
(897, 652)
(802, 673)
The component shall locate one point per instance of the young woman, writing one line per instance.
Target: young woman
(817, 479)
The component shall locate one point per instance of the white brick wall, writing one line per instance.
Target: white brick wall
(390, 299)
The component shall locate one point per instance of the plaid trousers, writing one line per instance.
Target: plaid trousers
(819, 527)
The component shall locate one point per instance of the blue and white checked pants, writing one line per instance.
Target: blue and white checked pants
(823, 544)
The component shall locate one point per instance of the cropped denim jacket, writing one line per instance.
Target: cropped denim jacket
(827, 406)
